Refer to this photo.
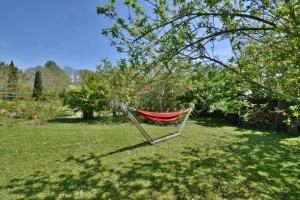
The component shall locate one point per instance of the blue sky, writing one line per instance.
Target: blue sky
(66, 31)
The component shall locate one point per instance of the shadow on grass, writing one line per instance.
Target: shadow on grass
(136, 146)
(99, 120)
(212, 122)
(255, 166)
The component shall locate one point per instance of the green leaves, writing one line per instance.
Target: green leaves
(115, 31)
(107, 10)
(134, 5)
(212, 3)
(90, 97)
(264, 37)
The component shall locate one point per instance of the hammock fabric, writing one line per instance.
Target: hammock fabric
(160, 117)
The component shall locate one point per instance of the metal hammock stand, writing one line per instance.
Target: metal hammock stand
(151, 140)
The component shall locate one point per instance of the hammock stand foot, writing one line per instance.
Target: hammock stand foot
(167, 137)
(157, 145)
(183, 136)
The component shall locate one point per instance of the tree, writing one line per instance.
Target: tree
(3, 79)
(12, 80)
(54, 78)
(105, 66)
(192, 29)
(85, 75)
(278, 69)
(73, 74)
(264, 38)
(88, 98)
(37, 86)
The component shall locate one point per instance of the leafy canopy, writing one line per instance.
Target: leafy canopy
(158, 31)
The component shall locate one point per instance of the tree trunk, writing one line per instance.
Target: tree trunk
(87, 114)
(114, 112)
(114, 107)
(278, 124)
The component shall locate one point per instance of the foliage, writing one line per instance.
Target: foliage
(3, 78)
(37, 86)
(88, 98)
(12, 80)
(157, 90)
(85, 75)
(122, 84)
(264, 36)
(17, 84)
(54, 78)
(214, 88)
(162, 93)
(274, 68)
(13, 83)
(73, 74)
(29, 109)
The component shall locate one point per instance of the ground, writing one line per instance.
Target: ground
(71, 159)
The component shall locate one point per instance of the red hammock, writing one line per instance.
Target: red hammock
(160, 117)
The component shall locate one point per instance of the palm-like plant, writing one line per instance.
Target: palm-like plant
(89, 98)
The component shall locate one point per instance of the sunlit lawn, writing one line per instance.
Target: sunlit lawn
(77, 160)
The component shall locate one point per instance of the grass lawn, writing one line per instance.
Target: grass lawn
(70, 159)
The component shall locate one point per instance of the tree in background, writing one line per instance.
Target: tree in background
(12, 80)
(37, 86)
(85, 75)
(3, 79)
(54, 78)
(160, 91)
(113, 77)
(73, 74)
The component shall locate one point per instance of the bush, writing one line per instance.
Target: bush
(30, 109)
(87, 99)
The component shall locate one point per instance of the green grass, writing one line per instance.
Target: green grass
(71, 159)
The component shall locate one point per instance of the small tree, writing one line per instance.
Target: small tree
(12, 80)
(89, 98)
(37, 87)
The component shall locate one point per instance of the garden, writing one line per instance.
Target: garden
(171, 118)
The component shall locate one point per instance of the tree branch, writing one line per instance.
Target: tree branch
(195, 15)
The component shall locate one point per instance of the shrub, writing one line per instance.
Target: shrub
(89, 98)
(30, 109)
(37, 87)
